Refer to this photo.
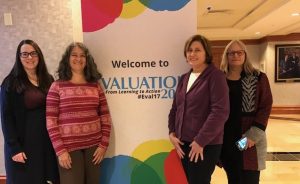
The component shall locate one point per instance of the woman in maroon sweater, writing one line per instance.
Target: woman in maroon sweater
(78, 119)
(199, 111)
(250, 107)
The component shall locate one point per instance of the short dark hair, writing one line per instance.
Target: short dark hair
(17, 79)
(204, 42)
(64, 72)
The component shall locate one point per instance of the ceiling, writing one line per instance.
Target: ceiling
(247, 19)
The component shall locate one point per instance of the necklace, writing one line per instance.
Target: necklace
(33, 79)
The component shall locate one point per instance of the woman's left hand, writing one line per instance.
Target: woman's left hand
(250, 143)
(98, 155)
(196, 151)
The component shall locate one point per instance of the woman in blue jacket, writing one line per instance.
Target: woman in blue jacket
(199, 111)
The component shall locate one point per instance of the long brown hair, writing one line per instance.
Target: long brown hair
(64, 72)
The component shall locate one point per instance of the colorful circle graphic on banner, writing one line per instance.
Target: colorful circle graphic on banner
(98, 14)
(151, 162)
(161, 5)
(132, 9)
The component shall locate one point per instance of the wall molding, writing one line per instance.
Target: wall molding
(266, 39)
(285, 110)
(2, 179)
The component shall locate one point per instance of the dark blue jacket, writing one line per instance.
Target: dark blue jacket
(12, 120)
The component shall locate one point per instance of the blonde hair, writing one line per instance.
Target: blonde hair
(247, 66)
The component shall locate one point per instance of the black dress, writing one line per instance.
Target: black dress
(231, 157)
(41, 164)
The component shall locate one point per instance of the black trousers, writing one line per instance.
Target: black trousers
(235, 173)
(200, 172)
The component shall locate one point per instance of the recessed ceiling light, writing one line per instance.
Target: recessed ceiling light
(295, 14)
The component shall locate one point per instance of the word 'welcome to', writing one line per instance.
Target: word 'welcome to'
(138, 64)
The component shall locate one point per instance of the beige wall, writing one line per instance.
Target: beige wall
(284, 94)
(49, 23)
(53, 24)
(255, 55)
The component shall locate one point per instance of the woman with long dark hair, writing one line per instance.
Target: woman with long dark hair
(78, 119)
(29, 155)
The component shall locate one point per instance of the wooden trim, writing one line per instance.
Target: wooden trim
(2, 179)
(223, 43)
(279, 116)
(285, 110)
(274, 38)
(289, 37)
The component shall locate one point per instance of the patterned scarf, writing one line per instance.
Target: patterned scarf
(249, 93)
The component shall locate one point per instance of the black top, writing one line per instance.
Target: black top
(232, 128)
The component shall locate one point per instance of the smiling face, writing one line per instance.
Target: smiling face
(29, 58)
(196, 56)
(77, 60)
(236, 55)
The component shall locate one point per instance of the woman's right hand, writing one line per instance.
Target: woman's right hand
(20, 157)
(176, 142)
(65, 161)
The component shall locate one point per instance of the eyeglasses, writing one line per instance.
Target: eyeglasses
(238, 52)
(26, 54)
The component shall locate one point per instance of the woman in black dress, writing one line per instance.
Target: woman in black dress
(29, 155)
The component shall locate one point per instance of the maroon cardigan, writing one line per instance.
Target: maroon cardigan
(254, 158)
(200, 113)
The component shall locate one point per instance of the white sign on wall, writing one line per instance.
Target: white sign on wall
(138, 47)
